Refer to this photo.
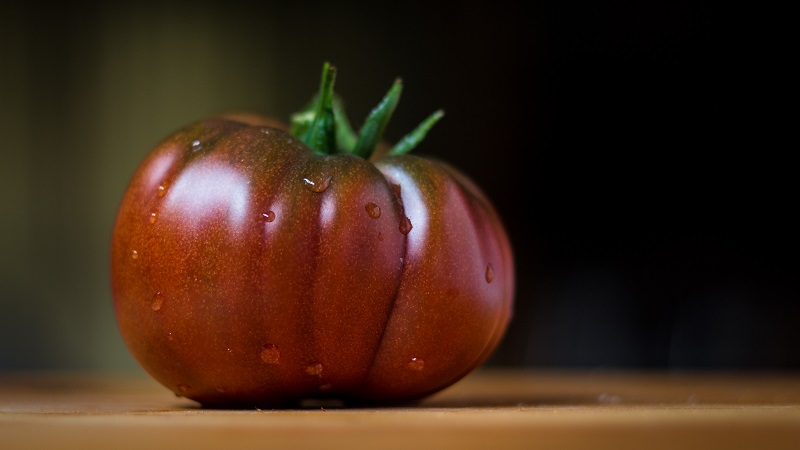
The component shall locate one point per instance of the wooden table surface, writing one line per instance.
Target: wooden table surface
(491, 409)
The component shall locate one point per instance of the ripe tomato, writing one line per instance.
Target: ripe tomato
(251, 266)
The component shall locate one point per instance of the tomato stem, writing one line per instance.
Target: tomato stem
(345, 137)
(324, 127)
(411, 140)
(372, 131)
(321, 134)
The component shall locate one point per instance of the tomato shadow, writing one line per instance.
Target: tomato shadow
(462, 402)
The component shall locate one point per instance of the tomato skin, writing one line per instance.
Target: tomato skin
(249, 270)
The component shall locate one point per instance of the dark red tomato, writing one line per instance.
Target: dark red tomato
(249, 268)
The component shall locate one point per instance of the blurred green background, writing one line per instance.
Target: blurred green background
(605, 134)
(88, 89)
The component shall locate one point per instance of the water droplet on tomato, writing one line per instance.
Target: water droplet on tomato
(405, 225)
(184, 388)
(314, 369)
(373, 210)
(158, 301)
(270, 354)
(416, 364)
(380, 236)
(134, 254)
(268, 216)
(317, 184)
(489, 273)
(162, 189)
(196, 146)
(396, 190)
(153, 216)
(221, 390)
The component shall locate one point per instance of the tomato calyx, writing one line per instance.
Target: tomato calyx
(324, 127)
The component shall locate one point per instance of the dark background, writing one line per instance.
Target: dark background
(638, 153)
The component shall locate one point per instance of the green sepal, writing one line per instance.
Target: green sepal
(345, 136)
(302, 120)
(324, 127)
(411, 140)
(321, 134)
(372, 131)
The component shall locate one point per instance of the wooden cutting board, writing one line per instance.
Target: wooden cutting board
(490, 409)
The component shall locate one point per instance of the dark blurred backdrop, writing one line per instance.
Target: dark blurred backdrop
(638, 153)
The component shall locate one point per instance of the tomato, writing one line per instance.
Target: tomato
(251, 266)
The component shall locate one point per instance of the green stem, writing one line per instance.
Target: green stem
(345, 137)
(372, 130)
(323, 125)
(302, 120)
(411, 140)
(321, 135)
